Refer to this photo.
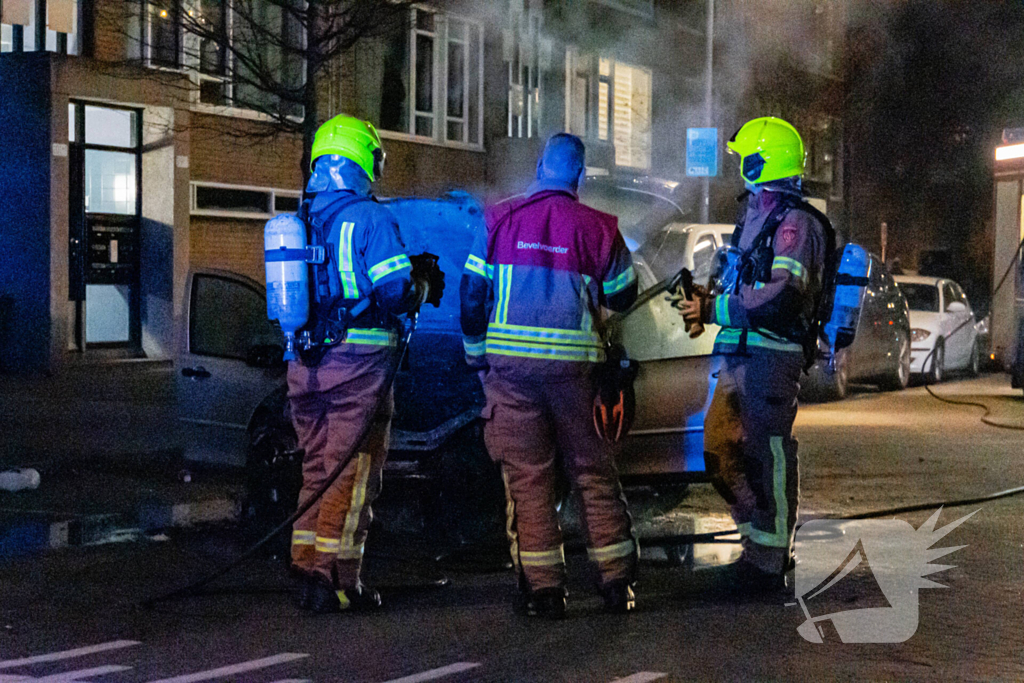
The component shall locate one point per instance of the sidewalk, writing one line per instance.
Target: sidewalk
(104, 439)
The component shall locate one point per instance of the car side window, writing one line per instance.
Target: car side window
(227, 318)
(703, 254)
(948, 296)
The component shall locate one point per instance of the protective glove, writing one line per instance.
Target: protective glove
(428, 277)
(694, 310)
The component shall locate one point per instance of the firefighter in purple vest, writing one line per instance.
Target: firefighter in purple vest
(532, 294)
(767, 322)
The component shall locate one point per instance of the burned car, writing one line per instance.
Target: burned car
(232, 394)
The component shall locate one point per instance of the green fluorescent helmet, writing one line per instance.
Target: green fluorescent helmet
(769, 149)
(353, 139)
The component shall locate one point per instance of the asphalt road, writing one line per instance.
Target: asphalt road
(874, 450)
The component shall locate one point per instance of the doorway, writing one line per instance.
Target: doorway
(105, 198)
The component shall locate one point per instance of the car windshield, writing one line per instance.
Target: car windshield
(640, 213)
(921, 297)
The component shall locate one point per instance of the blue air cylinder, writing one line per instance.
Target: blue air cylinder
(851, 279)
(284, 243)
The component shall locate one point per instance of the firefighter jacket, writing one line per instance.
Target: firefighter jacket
(371, 261)
(534, 285)
(775, 315)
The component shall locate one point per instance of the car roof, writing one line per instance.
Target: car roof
(919, 279)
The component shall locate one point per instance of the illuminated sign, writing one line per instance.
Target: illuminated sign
(1010, 152)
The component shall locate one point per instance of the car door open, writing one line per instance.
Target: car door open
(673, 390)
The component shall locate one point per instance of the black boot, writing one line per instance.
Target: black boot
(546, 603)
(619, 597)
(306, 581)
(325, 598)
(749, 579)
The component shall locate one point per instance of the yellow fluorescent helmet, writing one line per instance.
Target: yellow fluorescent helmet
(769, 149)
(353, 139)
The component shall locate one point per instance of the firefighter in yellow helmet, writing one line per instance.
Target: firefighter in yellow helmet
(339, 388)
(767, 321)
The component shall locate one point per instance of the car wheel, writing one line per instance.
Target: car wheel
(273, 478)
(822, 386)
(936, 371)
(974, 367)
(899, 376)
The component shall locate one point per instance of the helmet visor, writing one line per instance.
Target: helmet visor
(379, 157)
(753, 165)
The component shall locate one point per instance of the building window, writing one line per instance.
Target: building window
(62, 25)
(526, 54)
(240, 54)
(239, 201)
(624, 112)
(430, 81)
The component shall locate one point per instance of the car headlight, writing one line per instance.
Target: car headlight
(919, 335)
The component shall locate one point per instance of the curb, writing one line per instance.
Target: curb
(26, 536)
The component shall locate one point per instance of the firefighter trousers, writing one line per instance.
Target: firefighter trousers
(332, 405)
(751, 454)
(536, 428)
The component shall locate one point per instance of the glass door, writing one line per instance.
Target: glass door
(105, 218)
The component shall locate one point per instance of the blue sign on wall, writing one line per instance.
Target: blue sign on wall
(701, 152)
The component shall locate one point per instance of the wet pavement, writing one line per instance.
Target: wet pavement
(872, 450)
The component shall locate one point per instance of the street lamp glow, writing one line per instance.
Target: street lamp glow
(1010, 152)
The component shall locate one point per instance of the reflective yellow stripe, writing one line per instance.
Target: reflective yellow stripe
(542, 558)
(722, 310)
(587, 323)
(611, 552)
(326, 545)
(731, 337)
(625, 279)
(545, 351)
(504, 293)
(780, 538)
(372, 337)
(510, 522)
(347, 547)
(544, 335)
(343, 599)
(303, 537)
(474, 348)
(392, 265)
(345, 262)
(475, 264)
(791, 265)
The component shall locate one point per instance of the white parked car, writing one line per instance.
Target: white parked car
(943, 330)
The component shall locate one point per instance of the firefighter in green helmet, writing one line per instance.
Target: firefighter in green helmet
(766, 320)
(340, 389)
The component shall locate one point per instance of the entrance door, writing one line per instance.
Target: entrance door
(105, 217)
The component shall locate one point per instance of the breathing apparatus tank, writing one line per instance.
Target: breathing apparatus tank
(285, 257)
(850, 281)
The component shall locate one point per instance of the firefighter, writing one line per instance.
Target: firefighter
(766, 322)
(340, 389)
(532, 293)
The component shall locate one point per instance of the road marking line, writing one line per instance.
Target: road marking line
(241, 668)
(294, 680)
(81, 674)
(10, 678)
(68, 654)
(434, 674)
(641, 677)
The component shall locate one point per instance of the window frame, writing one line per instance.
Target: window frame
(192, 308)
(439, 75)
(271, 192)
(189, 61)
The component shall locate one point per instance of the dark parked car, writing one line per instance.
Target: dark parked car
(880, 353)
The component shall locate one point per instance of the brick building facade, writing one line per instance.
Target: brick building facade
(132, 169)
